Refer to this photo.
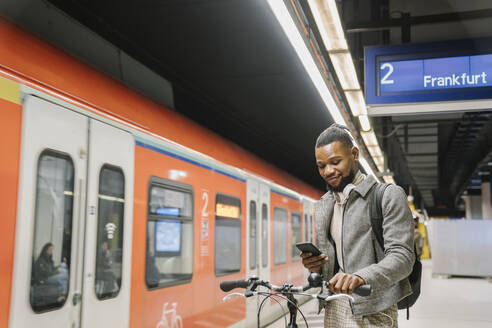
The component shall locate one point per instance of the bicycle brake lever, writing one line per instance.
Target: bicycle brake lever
(231, 295)
(325, 297)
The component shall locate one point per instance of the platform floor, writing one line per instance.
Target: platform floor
(444, 303)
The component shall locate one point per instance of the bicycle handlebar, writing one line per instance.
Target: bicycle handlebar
(253, 282)
(363, 290)
(287, 292)
(229, 285)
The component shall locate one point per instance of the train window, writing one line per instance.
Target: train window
(109, 247)
(296, 235)
(264, 235)
(52, 232)
(279, 235)
(306, 228)
(310, 228)
(252, 234)
(169, 259)
(227, 234)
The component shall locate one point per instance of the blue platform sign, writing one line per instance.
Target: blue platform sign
(437, 72)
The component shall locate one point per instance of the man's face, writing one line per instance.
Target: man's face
(335, 162)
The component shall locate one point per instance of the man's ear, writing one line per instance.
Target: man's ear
(355, 152)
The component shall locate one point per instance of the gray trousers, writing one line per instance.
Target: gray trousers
(338, 314)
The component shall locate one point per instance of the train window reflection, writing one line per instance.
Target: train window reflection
(264, 235)
(310, 228)
(52, 232)
(252, 235)
(169, 259)
(306, 228)
(227, 235)
(296, 235)
(111, 204)
(279, 235)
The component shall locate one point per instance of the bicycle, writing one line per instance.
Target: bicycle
(287, 292)
(175, 320)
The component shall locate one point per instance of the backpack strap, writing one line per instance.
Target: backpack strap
(376, 211)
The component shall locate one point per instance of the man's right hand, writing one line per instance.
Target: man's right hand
(313, 263)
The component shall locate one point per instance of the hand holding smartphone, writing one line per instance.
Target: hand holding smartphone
(314, 262)
(308, 248)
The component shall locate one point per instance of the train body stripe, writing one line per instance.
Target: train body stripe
(10, 90)
(285, 194)
(188, 160)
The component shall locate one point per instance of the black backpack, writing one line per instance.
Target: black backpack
(376, 211)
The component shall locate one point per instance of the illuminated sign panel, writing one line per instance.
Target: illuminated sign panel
(227, 211)
(435, 74)
(401, 78)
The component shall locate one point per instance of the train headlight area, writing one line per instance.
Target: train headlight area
(151, 150)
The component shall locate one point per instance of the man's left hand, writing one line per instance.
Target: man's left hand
(345, 283)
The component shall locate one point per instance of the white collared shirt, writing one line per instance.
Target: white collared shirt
(336, 220)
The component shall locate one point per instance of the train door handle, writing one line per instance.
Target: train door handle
(76, 298)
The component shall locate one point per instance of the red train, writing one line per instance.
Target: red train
(118, 212)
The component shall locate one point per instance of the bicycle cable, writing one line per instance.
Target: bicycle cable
(279, 294)
(263, 301)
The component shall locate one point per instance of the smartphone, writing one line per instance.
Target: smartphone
(308, 248)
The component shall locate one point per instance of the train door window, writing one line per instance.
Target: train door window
(169, 259)
(279, 235)
(227, 234)
(50, 270)
(296, 235)
(306, 228)
(310, 228)
(252, 235)
(264, 235)
(111, 204)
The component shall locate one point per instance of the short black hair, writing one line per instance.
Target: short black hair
(335, 132)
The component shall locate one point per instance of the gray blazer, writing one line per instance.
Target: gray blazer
(385, 271)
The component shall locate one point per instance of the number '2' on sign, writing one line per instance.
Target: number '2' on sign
(385, 79)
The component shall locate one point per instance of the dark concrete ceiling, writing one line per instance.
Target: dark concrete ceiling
(233, 70)
(231, 66)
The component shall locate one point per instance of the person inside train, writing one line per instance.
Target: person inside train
(46, 273)
(105, 278)
(349, 254)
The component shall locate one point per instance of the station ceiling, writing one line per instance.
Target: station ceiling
(233, 70)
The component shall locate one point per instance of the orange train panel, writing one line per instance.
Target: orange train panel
(198, 299)
(72, 78)
(10, 135)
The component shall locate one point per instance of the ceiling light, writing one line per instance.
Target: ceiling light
(369, 138)
(344, 67)
(342, 62)
(375, 151)
(326, 15)
(366, 166)
(290, 28)
(364, 123)
(356, 102)
(389, 179)
(379, 160)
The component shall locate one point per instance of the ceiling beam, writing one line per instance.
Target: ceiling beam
(384, 24)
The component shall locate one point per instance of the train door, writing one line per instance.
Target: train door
(264, 243)
(307, 211)
(307, 220)
(252, 249)
(258, 244)
(52, 250)
(108, 229)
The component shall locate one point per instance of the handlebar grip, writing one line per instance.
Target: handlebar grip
(228, 285)
(363, 290)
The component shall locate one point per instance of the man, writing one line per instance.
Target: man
(351, 254)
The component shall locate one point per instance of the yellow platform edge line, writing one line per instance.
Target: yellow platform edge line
(10, 90)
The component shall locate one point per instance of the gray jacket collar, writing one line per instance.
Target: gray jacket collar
(362, 188)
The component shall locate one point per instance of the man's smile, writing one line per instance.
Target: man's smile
(334, 179)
